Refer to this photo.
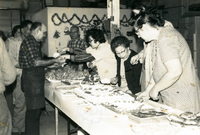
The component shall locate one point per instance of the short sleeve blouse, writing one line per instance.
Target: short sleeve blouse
(169, 49)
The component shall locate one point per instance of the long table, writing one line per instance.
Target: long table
(98, 120)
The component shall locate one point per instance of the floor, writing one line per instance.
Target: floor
(47, 123)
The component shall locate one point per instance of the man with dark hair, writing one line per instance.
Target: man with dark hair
(33, 76)
(25, 28)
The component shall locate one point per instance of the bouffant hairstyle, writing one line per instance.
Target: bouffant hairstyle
(152, 18)
(96, 34)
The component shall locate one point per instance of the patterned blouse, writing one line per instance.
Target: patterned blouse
(184, 94)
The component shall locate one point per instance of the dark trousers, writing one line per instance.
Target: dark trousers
(32, 126)
(9, 96)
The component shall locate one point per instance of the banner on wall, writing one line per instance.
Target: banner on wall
(59, 21)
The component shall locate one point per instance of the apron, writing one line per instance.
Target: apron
(32, 83)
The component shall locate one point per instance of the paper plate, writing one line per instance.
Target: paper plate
(66, 87)
(53, 81)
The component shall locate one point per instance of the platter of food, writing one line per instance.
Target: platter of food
(54, 75)
(146, 114)
(186, 119)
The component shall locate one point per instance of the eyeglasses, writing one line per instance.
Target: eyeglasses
(73, 32)
(90, 41)
(137, 31)
(118, 53)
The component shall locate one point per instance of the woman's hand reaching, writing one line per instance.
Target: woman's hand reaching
(114, 80)
(142, 96)
(153, 94)
(135, 59)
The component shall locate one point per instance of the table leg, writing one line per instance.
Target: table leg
(56, 120)
(68, 126)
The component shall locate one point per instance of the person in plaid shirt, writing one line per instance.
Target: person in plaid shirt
(76, 42)
(33, 76)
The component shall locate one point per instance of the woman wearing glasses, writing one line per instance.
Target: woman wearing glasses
(172, 75)
(143, 56)
(128, 75)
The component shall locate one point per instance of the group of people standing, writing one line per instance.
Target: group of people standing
(22, 79)
(14, 96)
(162, 71)
(168, 73)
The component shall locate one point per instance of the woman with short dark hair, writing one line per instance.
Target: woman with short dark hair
(99, 54)
(128, 75)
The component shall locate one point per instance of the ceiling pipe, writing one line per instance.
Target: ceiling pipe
(19, 4)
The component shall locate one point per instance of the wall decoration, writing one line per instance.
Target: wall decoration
(83, 20)
(83, 27)
(96, 22)
(117, 32)
(56, 34)
(125, 21)
(66, 31)
(130, 33)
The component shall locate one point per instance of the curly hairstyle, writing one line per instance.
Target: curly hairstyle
(96, 34)
(119, 41)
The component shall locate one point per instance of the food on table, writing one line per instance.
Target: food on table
(63, 73)
(174, 117)
(190, 122)
(188, 115)
(146, 113)
(66, 87)
(185, 119)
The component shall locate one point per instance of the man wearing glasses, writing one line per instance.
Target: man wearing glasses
(76, 42)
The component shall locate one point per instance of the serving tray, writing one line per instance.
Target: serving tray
(147, 116)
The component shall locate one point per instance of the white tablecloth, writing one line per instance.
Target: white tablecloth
(98, 120)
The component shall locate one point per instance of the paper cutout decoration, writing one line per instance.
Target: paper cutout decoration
(66, 31)
(56, 34)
